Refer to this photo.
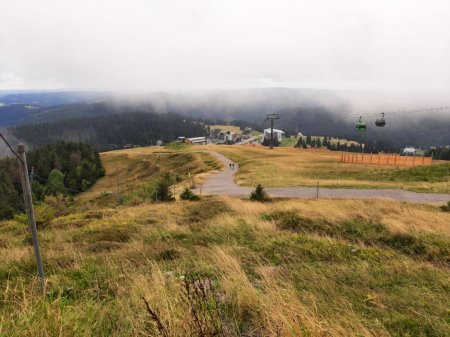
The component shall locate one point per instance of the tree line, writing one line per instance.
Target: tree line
(114, 131)
(370, 146)
(63, 168)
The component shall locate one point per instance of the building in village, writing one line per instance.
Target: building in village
(277, 134)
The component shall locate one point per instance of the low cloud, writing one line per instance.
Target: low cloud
(150, 45)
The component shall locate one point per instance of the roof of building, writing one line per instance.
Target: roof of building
(274, 130)
(193, 139)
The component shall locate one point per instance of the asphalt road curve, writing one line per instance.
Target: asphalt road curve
(222, 183)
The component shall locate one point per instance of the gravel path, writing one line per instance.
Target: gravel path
(222, 183)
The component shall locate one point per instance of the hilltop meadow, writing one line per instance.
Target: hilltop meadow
(223, 266)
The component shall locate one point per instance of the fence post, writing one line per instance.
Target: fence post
(447, 178)
(28, 199)
(317, 194)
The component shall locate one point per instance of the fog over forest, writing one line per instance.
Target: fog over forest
(319, 64)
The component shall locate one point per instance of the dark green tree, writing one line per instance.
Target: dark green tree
(259, 194)
(55, 184)
(162, 190)
(308, 140)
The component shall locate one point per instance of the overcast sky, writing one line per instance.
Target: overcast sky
(147, 45)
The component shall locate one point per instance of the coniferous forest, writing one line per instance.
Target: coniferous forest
(62, 168)
(115, 131)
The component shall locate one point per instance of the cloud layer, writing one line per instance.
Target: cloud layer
(144, 45)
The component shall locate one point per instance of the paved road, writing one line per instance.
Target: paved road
(222, 183)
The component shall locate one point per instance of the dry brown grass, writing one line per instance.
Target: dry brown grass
(398, 216)
(286, 166)
(270, 282)
(335, 279)
(135, 167)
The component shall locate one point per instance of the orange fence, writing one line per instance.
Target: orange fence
(384, 159)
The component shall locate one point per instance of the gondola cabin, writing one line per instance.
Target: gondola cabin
(361, 125)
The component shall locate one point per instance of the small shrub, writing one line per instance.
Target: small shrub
(259, 194)
(59, 202)
(446, 208)
(44, 215)
(162, 191)
(189, 195)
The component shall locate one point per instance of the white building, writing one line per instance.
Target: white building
(409, 151)
(196, 140)
(226, 137)
(277, 134)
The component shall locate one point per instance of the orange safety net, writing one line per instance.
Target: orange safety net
(384, 159)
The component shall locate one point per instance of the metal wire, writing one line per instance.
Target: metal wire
(50, 182)
(7, 144)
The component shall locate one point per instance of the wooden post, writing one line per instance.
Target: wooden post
(118, 198)
(317, 194)
(28, 199)
(447, 177)
(201, 185)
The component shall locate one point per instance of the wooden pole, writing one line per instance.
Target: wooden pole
(117, 186)
(317, 193)
(28, 199)
(447, 177)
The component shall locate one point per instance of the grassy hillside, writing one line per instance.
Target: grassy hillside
(288, 268)
(231, 128)
(136, 171)
(298, 167)
(224, 266)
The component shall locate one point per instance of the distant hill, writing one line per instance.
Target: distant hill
(114, 131)
(15, 114)
(21, 107)
(310, 111)
(51, 98)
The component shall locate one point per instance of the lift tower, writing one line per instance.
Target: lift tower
(271, 117)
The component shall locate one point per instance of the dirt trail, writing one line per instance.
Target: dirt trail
(222, 183)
